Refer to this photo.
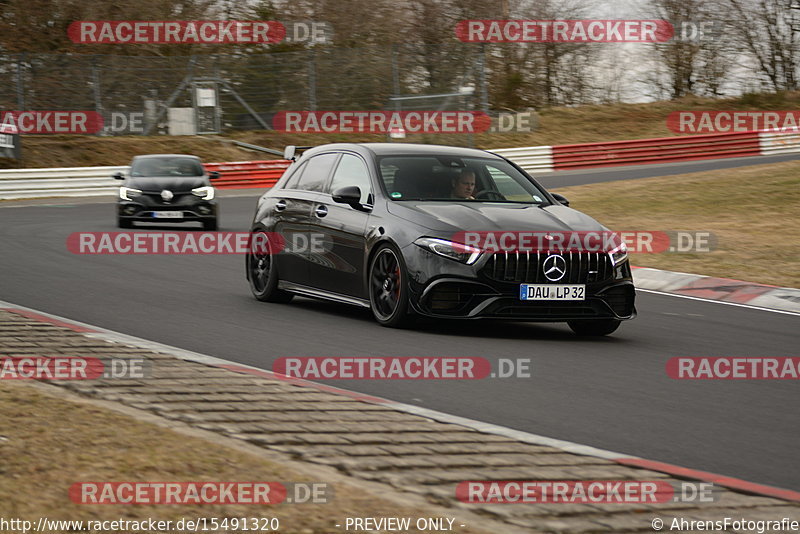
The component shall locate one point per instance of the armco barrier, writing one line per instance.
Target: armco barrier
(537, 159)
(89, 181)
(58, 182)
(97, 181)
(531, 158)
(779, 141)
(662, 150)
(248, 174)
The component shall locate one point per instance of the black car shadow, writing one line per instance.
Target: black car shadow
(477, 328)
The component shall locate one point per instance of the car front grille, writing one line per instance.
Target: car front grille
(544, 309)
(527, 267)
(178, 199)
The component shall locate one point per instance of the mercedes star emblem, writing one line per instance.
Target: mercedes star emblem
(555, 267)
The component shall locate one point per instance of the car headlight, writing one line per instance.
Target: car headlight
(206, 192)
(619, 253)
(455, 251)
(128, 193)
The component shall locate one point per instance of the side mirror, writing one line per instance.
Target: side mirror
(561, 199)
(118, 176)
(288, 152)
(213, 175)
(350, 195)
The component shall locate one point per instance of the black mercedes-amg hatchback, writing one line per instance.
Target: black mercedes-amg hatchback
(421, 230)
(167, 188)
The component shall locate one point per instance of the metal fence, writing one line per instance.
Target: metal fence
(250, 87)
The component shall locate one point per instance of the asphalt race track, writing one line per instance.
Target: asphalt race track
(611, 393)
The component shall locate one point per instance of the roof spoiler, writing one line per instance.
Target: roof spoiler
(290, 151)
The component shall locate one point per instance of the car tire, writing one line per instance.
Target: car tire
(388, 288)
(262, 273)
(124, 223)
(210, 226)
(600, 327)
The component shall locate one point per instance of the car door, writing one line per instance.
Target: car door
(293, 216)
(338, 231)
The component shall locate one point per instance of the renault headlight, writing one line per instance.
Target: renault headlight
(206, 192)
(128, 193)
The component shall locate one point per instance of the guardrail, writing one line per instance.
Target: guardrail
(779, 142)
(58, 182)
(94, 181)
(648, 151)
(248, 174)
(531, 158)
(97, 181)
(663, 150)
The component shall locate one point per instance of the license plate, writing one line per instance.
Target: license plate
(168, 215)
(552, 292)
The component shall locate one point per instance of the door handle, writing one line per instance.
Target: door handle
(280, 205)
(321, 211)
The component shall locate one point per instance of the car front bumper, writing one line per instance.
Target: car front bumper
(443, 288)
(143, 211)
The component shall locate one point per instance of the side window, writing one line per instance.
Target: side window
(291, 183)
(316, 172)
(352, 171)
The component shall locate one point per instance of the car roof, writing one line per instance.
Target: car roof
(386, 149)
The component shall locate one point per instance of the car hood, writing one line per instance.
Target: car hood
(453, 217)
(173, 183)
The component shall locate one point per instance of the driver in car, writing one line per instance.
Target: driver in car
(185, 168)
(464, 185)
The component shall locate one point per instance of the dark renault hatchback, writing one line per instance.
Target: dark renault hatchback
(167, 188)
(382, 225)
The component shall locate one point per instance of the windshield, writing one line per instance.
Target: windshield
(438, 178)
(167, 166)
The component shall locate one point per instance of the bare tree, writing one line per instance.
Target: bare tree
(35, 26)
(542, 74)
(697, 59)
(769, 31)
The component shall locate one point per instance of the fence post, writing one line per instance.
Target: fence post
(163, 108)
(20, 83)
(482, 79)
(312, 81)
(395, 76)
(98, 105)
